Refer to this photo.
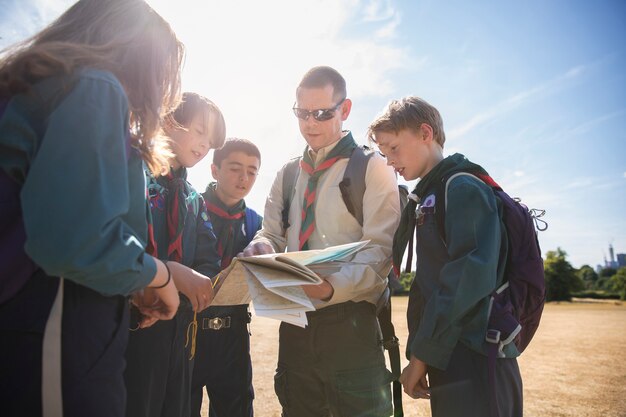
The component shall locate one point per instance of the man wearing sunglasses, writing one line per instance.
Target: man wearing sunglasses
(335, 366)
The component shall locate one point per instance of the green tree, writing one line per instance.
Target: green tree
(588, 276)
(406, 278)
(618, 282)
(602, 284)
(607, 272)
(561, 278)
(604, 279)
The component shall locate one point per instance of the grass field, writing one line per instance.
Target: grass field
(574, 366)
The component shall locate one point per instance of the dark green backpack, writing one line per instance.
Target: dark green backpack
(352, 188)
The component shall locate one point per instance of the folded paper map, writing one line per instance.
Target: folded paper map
(273, 281)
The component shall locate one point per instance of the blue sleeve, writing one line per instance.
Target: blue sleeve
(76, 198)
(473, 235)
(206, 259)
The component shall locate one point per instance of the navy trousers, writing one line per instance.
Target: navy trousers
(94, 337)
(223, 363)
(462, 390)
(158, 373)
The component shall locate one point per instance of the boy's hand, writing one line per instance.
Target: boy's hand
(258, 248)
(197, 287)
(413, 379)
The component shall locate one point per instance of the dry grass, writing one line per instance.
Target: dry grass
(574, 366)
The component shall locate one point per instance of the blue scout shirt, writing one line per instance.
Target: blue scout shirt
(198, 241)
(67, 144)
(449, 298)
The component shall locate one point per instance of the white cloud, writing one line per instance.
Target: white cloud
(575, 72)
(580, 183)
(590, 124)
(249, 56)
(515, 101)
(377, 10)
(517, 185)
(250, 63)
(383, 12)
(389, 30)
(519, 173)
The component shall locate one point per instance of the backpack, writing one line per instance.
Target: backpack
(352, 188)
(515, 307)
(252, 224)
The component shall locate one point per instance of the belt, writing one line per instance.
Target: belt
(216, 323)
(341, 311)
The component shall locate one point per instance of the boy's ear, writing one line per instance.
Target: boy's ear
(214, 171)
(426, 132)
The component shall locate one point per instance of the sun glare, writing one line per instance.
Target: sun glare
(249, 56)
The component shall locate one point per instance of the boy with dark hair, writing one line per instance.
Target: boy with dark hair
(449, 297)
(223, 363)
(159, 358)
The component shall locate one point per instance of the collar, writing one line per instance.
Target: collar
(211, 196)
(320, 155)
(453, 163)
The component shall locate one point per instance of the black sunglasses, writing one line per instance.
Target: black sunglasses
(321, 115)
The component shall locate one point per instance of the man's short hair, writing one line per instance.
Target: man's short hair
(235, 145)
(408, 113)
(321, 76)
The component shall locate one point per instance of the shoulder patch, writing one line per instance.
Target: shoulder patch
(429, 201)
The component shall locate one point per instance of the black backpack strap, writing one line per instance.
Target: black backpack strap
(290, 175)
(352, 186)
(390, 343)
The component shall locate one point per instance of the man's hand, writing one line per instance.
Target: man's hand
(258, 248)
(413, 379)
(197, 288)
(323, 291)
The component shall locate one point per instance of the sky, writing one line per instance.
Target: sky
(534, 91)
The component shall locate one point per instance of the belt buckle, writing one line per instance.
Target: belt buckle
(216, 323)
(492, 336)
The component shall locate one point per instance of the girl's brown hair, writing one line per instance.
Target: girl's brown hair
(125, 37)
(192, 105)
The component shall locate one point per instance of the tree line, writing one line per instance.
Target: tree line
(563, 281)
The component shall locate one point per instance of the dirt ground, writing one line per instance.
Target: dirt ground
(573, 367)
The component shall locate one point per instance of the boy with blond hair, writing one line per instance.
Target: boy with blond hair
(457, 268)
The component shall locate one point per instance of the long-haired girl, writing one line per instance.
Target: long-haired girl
(80, 109)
